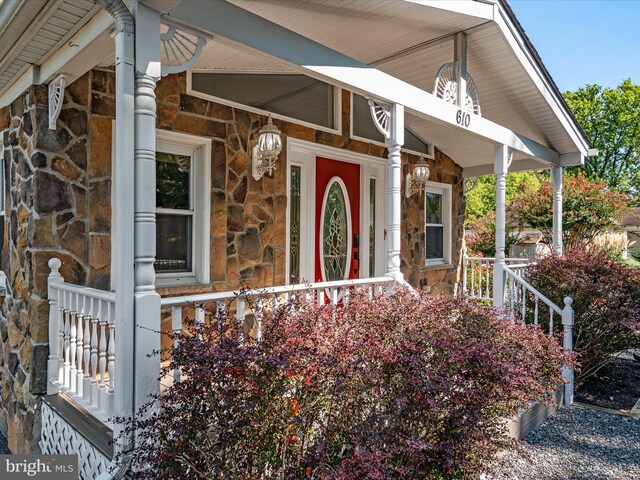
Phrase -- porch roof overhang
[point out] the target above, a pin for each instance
(372, 48)
(387, 49)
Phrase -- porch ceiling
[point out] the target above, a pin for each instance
(411, 41)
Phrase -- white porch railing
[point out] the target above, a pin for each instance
(477, 275)
(527, 305)
(272, 297)
(81, 344)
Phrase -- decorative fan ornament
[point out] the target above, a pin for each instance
(446, 88)
(380, 114)
(179, 49)
(56, 96)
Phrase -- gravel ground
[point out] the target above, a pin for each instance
(578, 443)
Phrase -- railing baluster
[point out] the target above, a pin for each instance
(258, 316)
(465, 269)
(95, 304)
(524, 305)
(176, 327)
(199, 319)
(79, 352)
(488, 294)
(111, 358)
(550, 321)
(473, 285)
(334, 296)
(86, 380)
(535, 313)
(67, 342)
(241, 315)
(73, 329)
(102, 360)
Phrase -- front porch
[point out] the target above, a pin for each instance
(148, 194)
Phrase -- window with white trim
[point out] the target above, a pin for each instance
(288, 96)
(183, 166)
(437, 213)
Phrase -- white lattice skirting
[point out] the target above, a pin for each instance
(59, 438)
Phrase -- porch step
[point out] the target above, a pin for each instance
(93, 430)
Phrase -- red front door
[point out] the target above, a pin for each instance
(337, 220)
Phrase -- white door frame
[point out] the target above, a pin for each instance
(303, 154)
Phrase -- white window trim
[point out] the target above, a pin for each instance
(303, 154)
(201, 174)
(200, 149)
(445, 190)
(430, 153)
(337, 101)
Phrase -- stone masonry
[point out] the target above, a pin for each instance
(58, 203)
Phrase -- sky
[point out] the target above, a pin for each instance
(584, 41)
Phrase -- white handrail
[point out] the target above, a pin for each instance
(477, 274)
(81, 344)
(262, 292)
(515, 278)
(517, 289)
(323, 292)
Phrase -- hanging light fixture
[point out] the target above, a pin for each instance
(265, 153)
(415, 182)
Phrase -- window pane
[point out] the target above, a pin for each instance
(173, 181)
(294, 226)
(433, 248)
(363, 125)
(173, 243)
(335, 234)
(433, 208)
(292, 95)
(372, 227)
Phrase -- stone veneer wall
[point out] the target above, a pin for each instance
(433, 279)
(58, 203)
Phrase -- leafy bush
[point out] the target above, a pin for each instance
(394, 387)
(588, 209)
(481, 239)
(606, 301)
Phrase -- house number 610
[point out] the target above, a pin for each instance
(463, 118)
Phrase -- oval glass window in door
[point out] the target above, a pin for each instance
(336, 232)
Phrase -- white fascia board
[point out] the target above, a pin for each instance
(74, 61)
(478, 9)
(519, 48)
(516, 166)
(247, 31)
(572, 159)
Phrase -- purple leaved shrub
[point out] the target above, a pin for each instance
(390, 387)
(606, 301)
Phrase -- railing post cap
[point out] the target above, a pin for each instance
(568, 301)
(54, 264)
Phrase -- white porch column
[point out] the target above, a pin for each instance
(147, 301)
(556, 177)
(395, 140)
(500, 167)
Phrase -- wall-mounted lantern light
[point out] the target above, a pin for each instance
(415, 182)
(265, 153)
